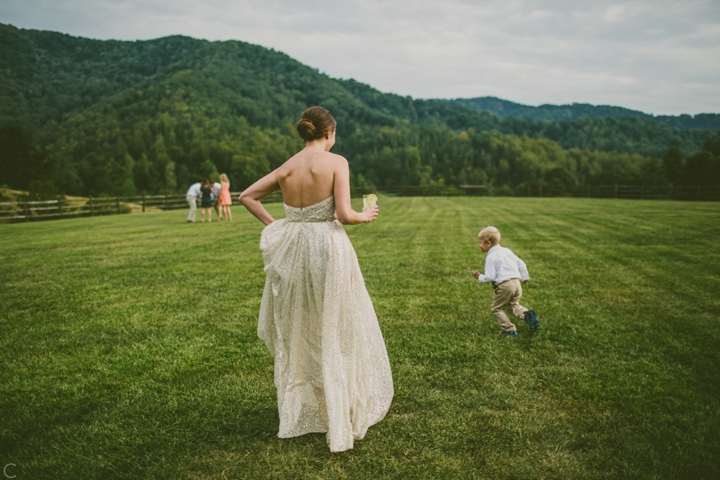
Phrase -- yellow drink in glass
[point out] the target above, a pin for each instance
(369, 200)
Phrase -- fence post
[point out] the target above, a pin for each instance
(143, 201)
(27, 211)
(92, 207)
(59, 200)
(616, 190)
(166, 201)
(118, 203)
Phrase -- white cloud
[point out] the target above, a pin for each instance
(657, 56)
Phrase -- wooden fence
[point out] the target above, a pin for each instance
(89, 207)
(95, 206)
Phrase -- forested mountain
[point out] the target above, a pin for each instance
(93, 117)
(563, 113)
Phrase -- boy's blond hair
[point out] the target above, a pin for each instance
(489, 234)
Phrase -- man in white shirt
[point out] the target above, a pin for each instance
(505, 270)
(192, 196)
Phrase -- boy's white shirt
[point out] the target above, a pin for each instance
(502, 264)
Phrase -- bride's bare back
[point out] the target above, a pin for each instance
(308, 177)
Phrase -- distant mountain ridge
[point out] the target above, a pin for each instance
(94, 117)
(564, 113)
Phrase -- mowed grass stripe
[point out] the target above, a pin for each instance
(129, 346)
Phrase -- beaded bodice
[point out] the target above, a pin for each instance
(319, 212)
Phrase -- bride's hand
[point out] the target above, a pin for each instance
(371, 213)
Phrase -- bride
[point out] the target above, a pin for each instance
(331, 367)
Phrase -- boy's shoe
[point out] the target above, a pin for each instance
(509, 334)
(532, 320)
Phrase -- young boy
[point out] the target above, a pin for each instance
(505, 270)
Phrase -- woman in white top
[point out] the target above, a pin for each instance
(332, 371)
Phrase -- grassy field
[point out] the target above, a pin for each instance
(129, 346)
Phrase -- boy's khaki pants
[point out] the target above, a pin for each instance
(507, 296)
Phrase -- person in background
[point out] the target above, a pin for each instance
(206, 201)
(216, 198)
(192, 198)
(225, 199)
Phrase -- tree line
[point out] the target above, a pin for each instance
(167, 154)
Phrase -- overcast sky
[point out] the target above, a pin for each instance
(658, 56)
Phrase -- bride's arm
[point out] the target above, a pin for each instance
(251, 196)
(345, 214)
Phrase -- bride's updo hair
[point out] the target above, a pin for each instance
(315, 123)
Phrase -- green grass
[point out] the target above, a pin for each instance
(129, 346)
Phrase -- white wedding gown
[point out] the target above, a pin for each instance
(332, 371)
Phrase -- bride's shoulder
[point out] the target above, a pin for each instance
(336, 159)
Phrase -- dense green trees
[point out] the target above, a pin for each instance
(24, 166)
(107, 117)
(703, 168)
(17, 156)
(432, 154)
(618, 135)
